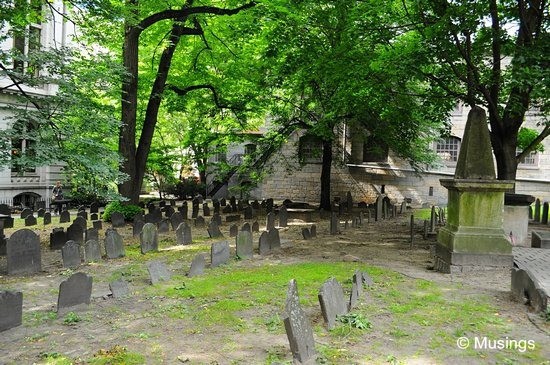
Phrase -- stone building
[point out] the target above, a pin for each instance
(18, 186)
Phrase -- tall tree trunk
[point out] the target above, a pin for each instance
(325, 175)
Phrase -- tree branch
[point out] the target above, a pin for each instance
(545, 133)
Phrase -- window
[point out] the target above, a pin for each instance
(531, 160)
(375, 150)
(448, 149)
(23, 149)
(310, 149)
(27, 41)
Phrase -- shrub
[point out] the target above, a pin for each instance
(128, 210)
(186, 188)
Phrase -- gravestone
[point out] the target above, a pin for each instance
(119, 288)
(227, 209)
(82, 222)
(199, 221)
(164, 226)
(537, 210)
(349, 202)
(25, 213)
(3, 244)
(11, 309)
(233, 218)
(195, 211)
(158, 272)
(149, 239)
(283, 217)
(270, 221)
(5, 209)
(223, 202)
(356, 289)
(183, 210)
(306, 234)
(379, 207)
(23, 253)
(246, 227)
(244, 245)
(248, 213)
(206, 210)
(70, 253)
(176, 219)
(273, 239)
(94, 217)
(233, 203)
(298, 329)
(255, 205)
(168, 211)
(30, 220)
(403, 208)
(233, 230)
(47, 218)
(217, 218)
(94, 207)
(75, 233)
(255, 226)
(58, 238)
(74, 293)
(219, 253)
(137, 226)
(544, 218)
(313, 231)
(197, 266)
(264, 246)
(40, 212)
(334, 224)
(114, 246)
(269, 205)
(214, 230)
(183, 234)
(64, 216)
(83, 214)
(92, 251)
(117, 220)
(216, 205)
(333, 304)
(97, 225)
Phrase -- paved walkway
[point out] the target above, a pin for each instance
(536, 263)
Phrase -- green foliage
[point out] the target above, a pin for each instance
(71, 319)
(546, 314)
(355, 320)
(54, 358)
(186, 188)
(128, 210)
(117, 355)
(526, 136)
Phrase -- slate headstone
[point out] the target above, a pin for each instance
(544, 218)
(356, 288)
(379, 207)
(214, 230)
(164, 226)
(97, 225)
(5, 209)
(199, 221)
(75, 233)
(83, 214)
(306, 234)
(197, 266)
(233, 218)
(264, 247)
(176, 219)
(246, 227)
(219, 253)
(283, 217)
(183, 234)
(233, 230)
(255, 226)
(333, 304)
(11, 309)
(40, 212)
(273, 238)
(270, 221)
(114, 246)
(64, 216)
(137, 226)
(218, 218)
(298, 329)
(248, 213)
(58, 238)
(158, 272)
(149, 240)
(23, 253)
(334, 224)
(183, 210)
(92, 251)
(244, 245)
(47, 218)
(25, 213)
(349, 202)
(70, 253)
(117, 219)
(206, 210)
(74, 292)
(119, 288)
(30, 220)
(81, 221)
(94, 217)
(94, 207)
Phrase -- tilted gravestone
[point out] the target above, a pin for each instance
(197, 266)
(244, 245)
(164, 226)
(117, 219)
(75, 233)
(58, 238)
(158, 272)
(273, 239)
(214, 230)
(23, 253)
(119, 288)
(217, 218)
(47, 218)
(367, 280)
(199, 221)
(30, 220)
(306, 234)
(264, 243)
(175, 220)
(114, 247)
(283, 217)
(70, 253)
(137, 226)
(334, 224)
(74, 293)
(25, 213)
(233, 230)
(183, 234)
(11, 309)
(333, 304)
(149, 238)
(64, 216)
(256, 227)
(91, 234)
(298, 329)
(219, 253)
(356, 288)
(270, 221)
(92, 251)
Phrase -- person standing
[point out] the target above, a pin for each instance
(57, 194)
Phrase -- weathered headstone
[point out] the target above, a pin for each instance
(117, 219)
(544, 218)
(40, 212)
(199, 221)
(270, 221)
(176, 219)
(164, 226)
(92, 251)
(47, 218)
(137, 226)
(334, 224)
(119, 288)
(30, 220)
(81, 221)
(223, 202)
(264, 247)
(233, 230)
(219, 254)
(25, 213)
(214, 230)
(83, 214)
(11, 309)
(195, 211)
(75, 233)
(218, 218)
(5, 209)
(227, 209)
(114, 246)
(64, 216)
(537, 210)
(216, 205)
(158, 272)
(255, 226)
(74, 293)
(3, 244)
(244, 245)
(233, 218)
(168, 211)
(273, 238)
(298, 329)
(269, 205)
(283, 217)
(70, 253)
(379, 207)
(183, 210)
(248, 212)
(183, 234)
(58, 238)
(367, 280)
(349, 202)
(306, 234)
(246, 227)
(97, 224)
(333, 304)
(94, 217)
(94, 207)
(206, 210)
(149, 240)
(313, 231)
(197, 266)
(356, 288)
(23, 253)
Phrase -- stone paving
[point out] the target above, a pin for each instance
(535, 262)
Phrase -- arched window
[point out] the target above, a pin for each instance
(448, 148)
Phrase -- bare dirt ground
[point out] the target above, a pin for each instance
(137, 322)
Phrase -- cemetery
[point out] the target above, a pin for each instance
(347, 288)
